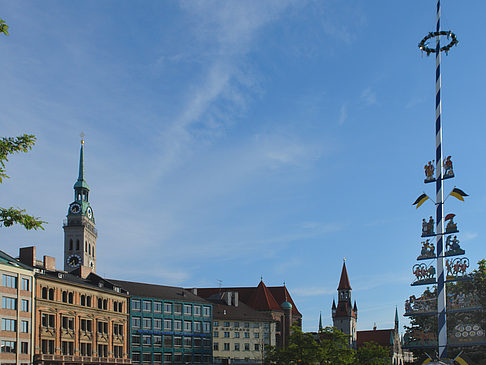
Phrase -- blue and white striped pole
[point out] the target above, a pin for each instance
(441, 289)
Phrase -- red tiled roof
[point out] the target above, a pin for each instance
(272, 297)
(344, 282)
(281, 294)
(381, 337)
(263, 300)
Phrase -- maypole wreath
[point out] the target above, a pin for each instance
(445, 49)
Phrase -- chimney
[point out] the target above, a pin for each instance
(194, 291)
(27, 255)
(84, 271)
(49, 263)
(227, 297)
(235, 299)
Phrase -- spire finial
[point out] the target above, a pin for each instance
(344, 259)
(261, 277)
(81, 182)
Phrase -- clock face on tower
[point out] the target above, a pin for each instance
(75, 208)
(74, 261)
(89, 212)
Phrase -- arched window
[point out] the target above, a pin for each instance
(83, 300)
(44, 293)
(86, 246)
(100, 303)
(71, 298)
(51, 294)
(89, 249)
(70, 244)
(64, 297)
(105, 304)
(77, 244)
(88, 300)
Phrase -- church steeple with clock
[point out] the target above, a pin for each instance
(79, 227)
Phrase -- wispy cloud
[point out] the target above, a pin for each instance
(469, 236)
(368, 96)
(312, 291)
(226, 84)
(368, 282)
(343, 115)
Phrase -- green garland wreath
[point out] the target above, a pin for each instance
(446, 48)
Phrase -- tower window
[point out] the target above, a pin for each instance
(70, 244)
(86, 246)
(77, 244)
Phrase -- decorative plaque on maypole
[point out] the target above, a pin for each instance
(441, 261)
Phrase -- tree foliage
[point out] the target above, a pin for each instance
(334, 345)
(3, 27)
(327, 347)
(372, 353)
(11, 216)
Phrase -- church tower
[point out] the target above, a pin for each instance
(79, 228)
(344, 316)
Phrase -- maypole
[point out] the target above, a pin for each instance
(441, 288)
(459, 302)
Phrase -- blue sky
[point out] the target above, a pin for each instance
(229, 140)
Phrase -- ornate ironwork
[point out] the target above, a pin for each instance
(453, 41)
(427, 251)
(429, 172)
(451, 226)
(426, 304)
(424, 274)
(452, 246)
(448, 170)
(462, 302)
(456, 267)
(467, 332)
(421, 338)
(428, 227)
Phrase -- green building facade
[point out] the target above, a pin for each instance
(168, 325)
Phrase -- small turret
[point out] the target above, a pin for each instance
(397, 325)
